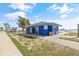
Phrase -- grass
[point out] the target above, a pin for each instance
(31, 37)
(71, 34)
(39, 47)
(71, 39)
(22, 49)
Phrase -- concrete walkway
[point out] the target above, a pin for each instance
(7, 47)
(71, 44)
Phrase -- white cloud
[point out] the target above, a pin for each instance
(69, 23)
(39, 1)
(65, 9)
(53, 7)
(63, 16)
(62, 10)
(30, 11)
(14, 16)
(36, 20)
(50, 20)
(36, 16)
(66, 23)
(22, 6)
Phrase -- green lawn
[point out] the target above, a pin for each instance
(22, 49)
(40, 47)
(71, 39)
(71, 34)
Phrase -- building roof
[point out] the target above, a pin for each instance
(43, 23)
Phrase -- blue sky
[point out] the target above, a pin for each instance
(66, 14)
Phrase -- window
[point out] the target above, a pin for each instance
(45, 27)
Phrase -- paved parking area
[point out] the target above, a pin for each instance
(7, 47)
(70, 44)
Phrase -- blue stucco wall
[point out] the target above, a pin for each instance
(50, 28)
(43, 31)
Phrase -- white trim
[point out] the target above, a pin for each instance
(30, 30)
(53, 29)
(45, 27)
(37, 29)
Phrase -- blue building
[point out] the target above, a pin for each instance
(43, 28)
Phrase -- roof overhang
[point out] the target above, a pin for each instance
(42, 23)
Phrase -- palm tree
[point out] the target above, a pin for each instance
(22, 22)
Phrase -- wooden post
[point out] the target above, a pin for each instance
(78, 31)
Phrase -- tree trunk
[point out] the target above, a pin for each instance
(23, 29)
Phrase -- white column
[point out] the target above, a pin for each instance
(37, 29)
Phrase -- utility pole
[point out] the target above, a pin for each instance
(78, 31)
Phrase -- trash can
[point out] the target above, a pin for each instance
(50, 33)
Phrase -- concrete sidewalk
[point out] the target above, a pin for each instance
(70, 44)
(7, 47)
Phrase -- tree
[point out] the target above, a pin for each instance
(1, 28)
(22, 22)
(28, 23)
(14, 29)
(7, 26)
